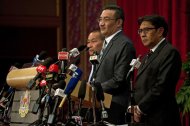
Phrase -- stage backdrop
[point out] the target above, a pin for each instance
(177, 14)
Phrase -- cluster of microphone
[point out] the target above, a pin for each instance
(54, 77)
(51, 78)
(51, 82)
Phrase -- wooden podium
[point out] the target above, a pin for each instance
(19, 79)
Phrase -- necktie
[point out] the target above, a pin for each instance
(148, 55)
(103, 49)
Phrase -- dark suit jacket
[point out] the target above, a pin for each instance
(113, 67)
(155, 86)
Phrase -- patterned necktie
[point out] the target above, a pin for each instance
(103, 49)
(148, 55)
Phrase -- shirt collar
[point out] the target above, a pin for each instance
(108, 39)
(156, 46)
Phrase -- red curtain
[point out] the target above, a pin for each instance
(176, 13)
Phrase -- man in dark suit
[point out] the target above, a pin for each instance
(116, 55)
(157, 76)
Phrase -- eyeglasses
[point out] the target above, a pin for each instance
(145, 30)
(106, 19)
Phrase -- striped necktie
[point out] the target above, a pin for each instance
(103, 49)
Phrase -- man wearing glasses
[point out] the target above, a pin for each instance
(157, 76)
(116, 55)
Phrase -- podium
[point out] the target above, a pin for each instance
(19, 79)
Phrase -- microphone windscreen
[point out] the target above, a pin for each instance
(73, 81)
(61, 84)
(64, 50)
(81, 48)
(82, 89)
(47, 62)
(71, 85)
(54, 68)
(76, 61)
(42, 55)
(99, 91)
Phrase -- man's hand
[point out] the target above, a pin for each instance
(137, 114)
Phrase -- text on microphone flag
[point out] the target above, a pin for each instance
(73, 67)
(63, 55)
(41, 69)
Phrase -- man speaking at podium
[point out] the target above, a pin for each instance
(115, 57)
(94, 44)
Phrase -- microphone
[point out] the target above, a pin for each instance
(94, 59)
(41, 69)
(42, 56)
(81, 94)
(135, 63)
(53, 73)
(36, 106)
(73, 67)
(71, 85)
(82, 90)
(58, 93)
(63, 56)
(100, 98)
(39, 58)
(51, 78)
(60, 85)
(81, 47)
(76, 51)
(99, 91)
(76, 61)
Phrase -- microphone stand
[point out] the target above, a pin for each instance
(70, 113)
(38, 108)
(94, 101)
(100, 98)
(47, 107)
(70, 120)
(94, 61)
(131, 103)
(135, 63)
(94, 95)
(48, 99)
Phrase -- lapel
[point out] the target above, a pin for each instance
(110, 44)
(151, 58)
(104, 54)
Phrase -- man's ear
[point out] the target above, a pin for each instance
(160, 31)
(119, 22)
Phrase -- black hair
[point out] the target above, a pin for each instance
(119, 13)
(157, 21)
(102, 37)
